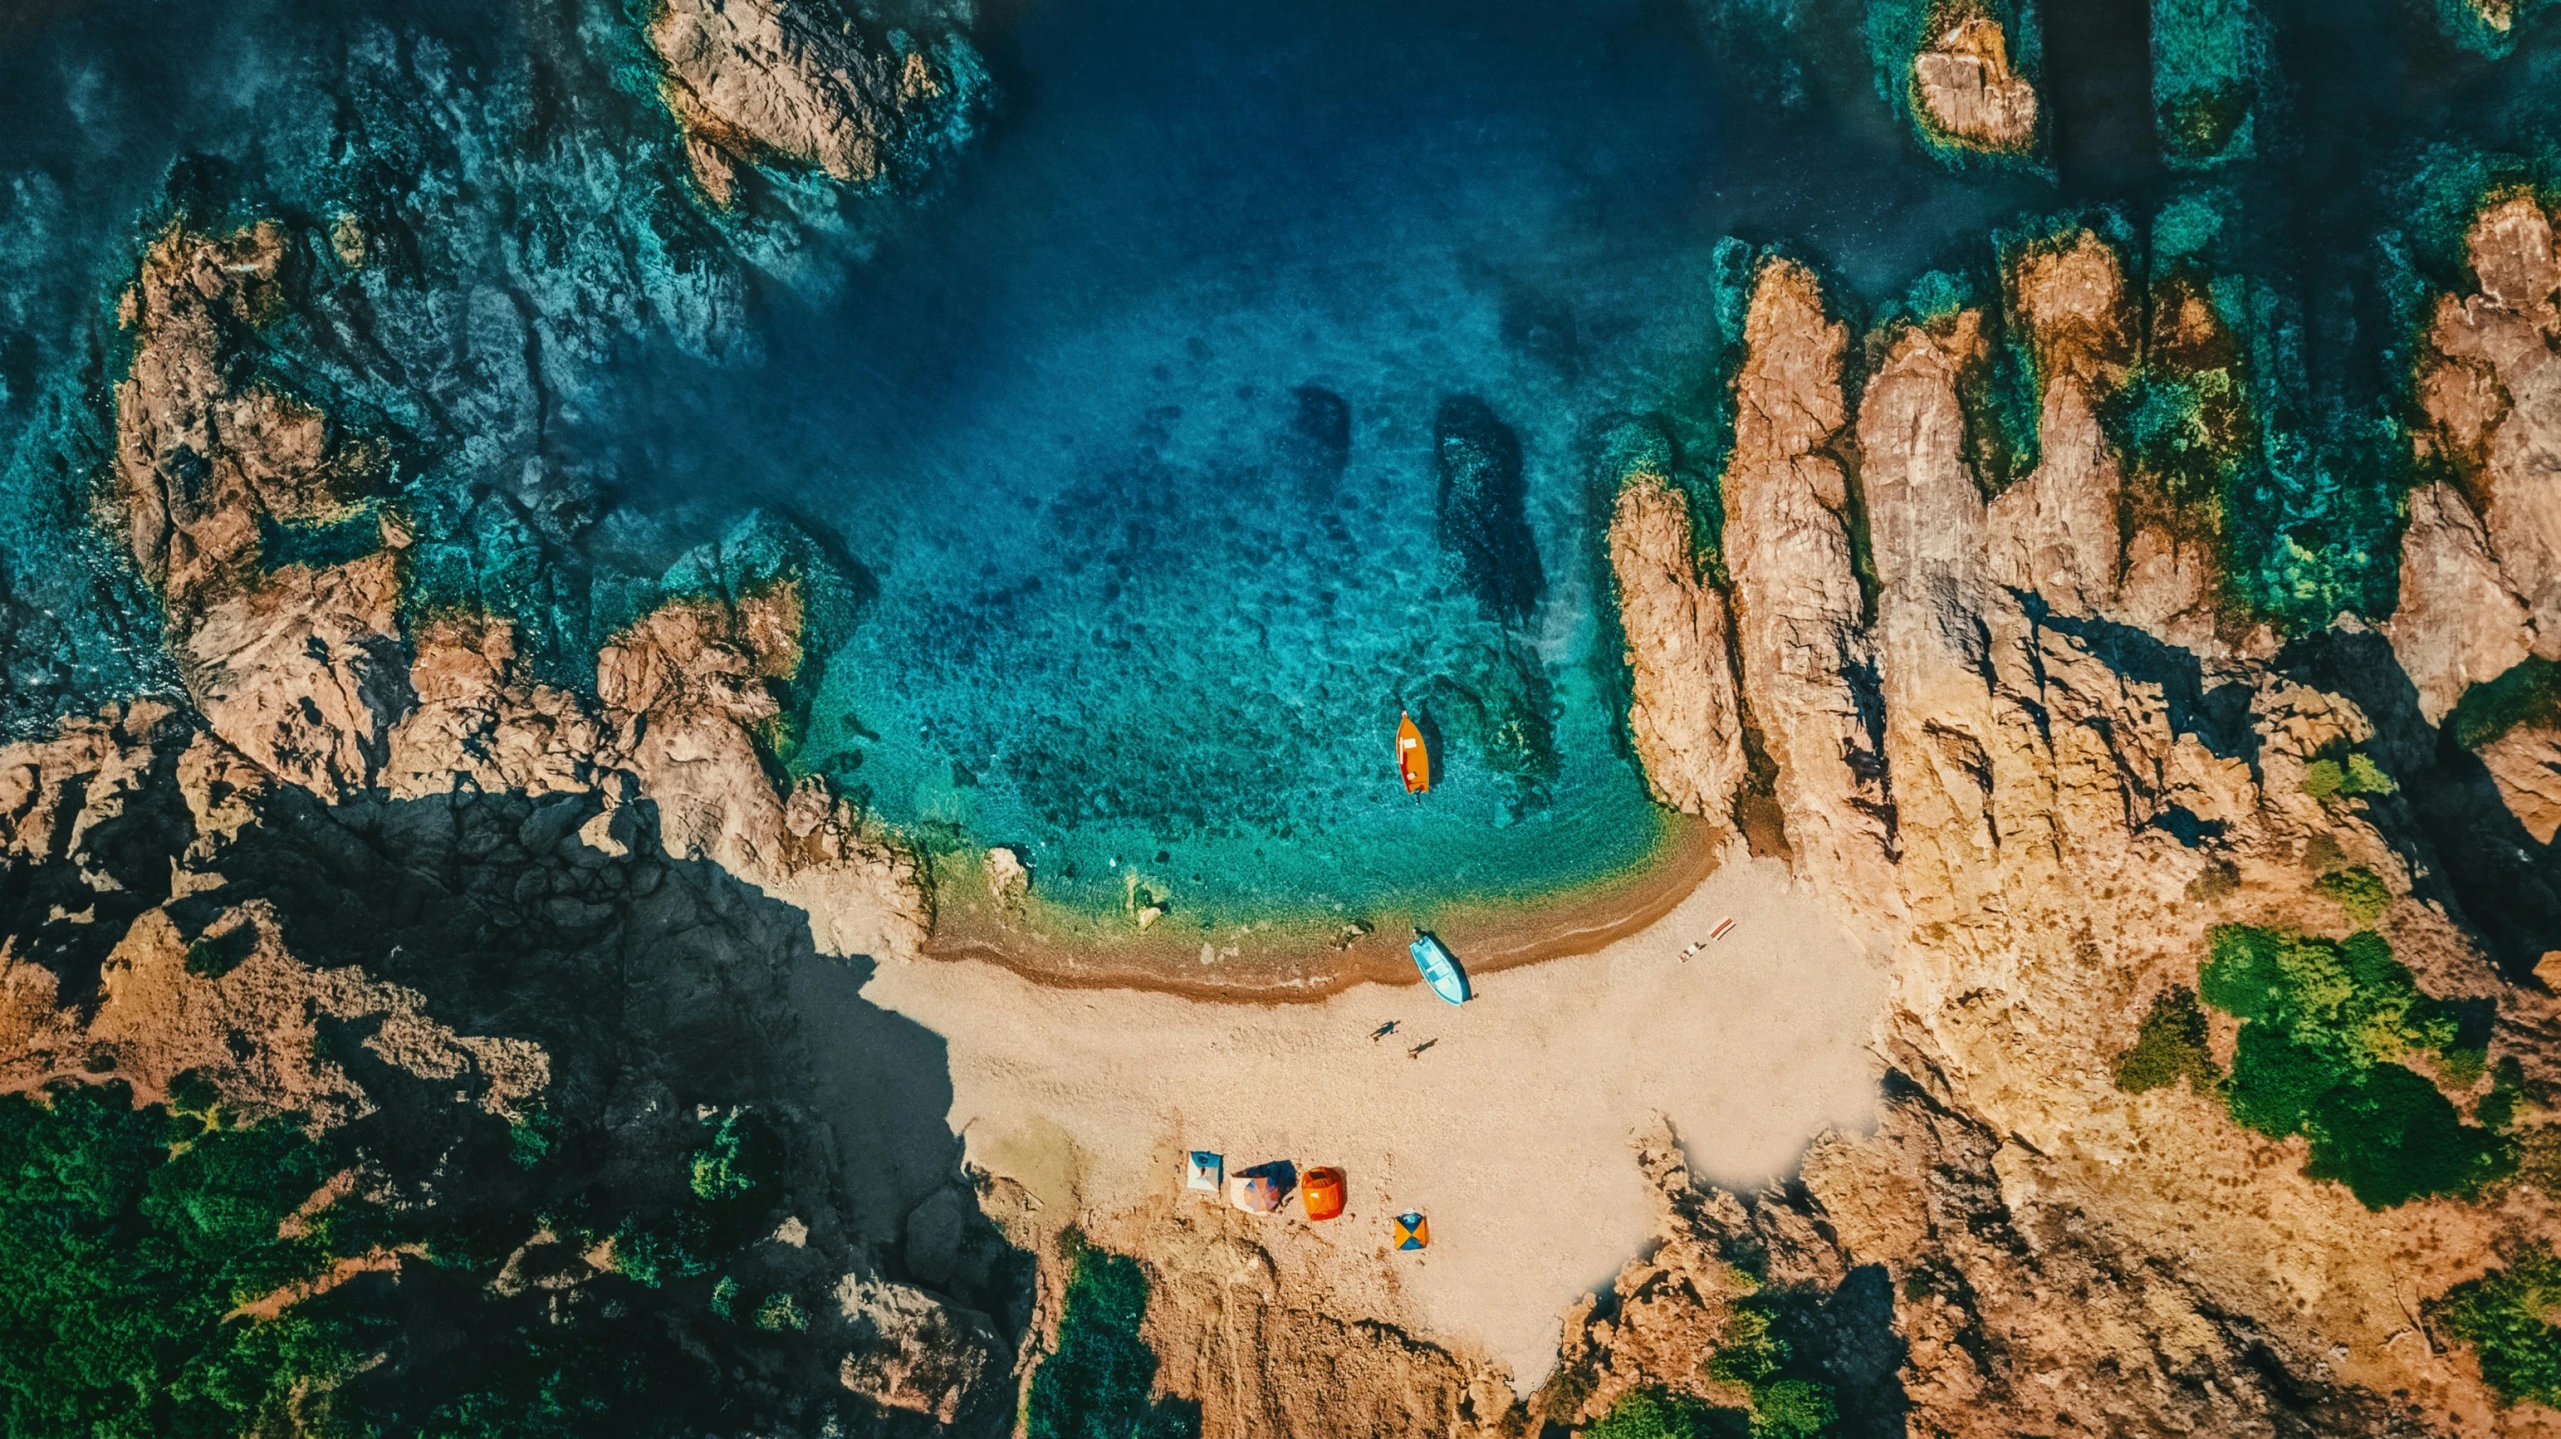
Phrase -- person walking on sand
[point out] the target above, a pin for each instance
(1382, 1031)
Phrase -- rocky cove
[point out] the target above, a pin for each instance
(457, 982)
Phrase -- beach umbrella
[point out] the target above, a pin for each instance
(1204, 1171)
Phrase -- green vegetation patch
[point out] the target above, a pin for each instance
(129, 1239)
(2507, 1316)
(1752, 1354)
(2353, 775)
(1096, 1384)
(2528, 694)
(2359, 891)
(2170, 1046)
(2322, 1022)
(1661, 1414)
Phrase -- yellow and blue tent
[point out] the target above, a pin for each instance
(1413, 1231)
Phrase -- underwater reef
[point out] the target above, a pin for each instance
(543, 544)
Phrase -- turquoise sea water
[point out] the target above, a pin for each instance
(1137, 434)
(1128, 405)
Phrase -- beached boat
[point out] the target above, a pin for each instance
(1440, 968)
(1412, 760)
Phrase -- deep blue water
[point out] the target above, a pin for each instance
(1124, 611)
(1121, 410)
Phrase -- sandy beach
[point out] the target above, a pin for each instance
(1507, 1121)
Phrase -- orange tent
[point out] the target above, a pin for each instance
(1321, 1190)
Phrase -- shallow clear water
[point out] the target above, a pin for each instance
(1128, 419)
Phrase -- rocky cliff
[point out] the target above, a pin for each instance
(2068, 776)
(375, 882)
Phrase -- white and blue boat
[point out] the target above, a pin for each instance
(1440, 968)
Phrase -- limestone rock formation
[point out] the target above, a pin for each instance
(2458, 624)
(685, 692)
(2493, 401)
(1926, 528)
(2057, 532)
(2525, 763)
(912, 1351)
(752, 79)
(481, 722)
(1800, 619)
(2082, 782)
(295, 664)
(1685, 714)
(298, 668)
(1965, 92)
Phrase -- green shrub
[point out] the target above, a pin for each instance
(2498, 1108)
(2348, 1000)
(1095, 1384)
(1660, 1414)
(1792, 1409)
(2170, 1046)
(126, 1237)
(1747, 1353)
(2359, 891)
(1750, 1354)
(2505, 1315)
(2321, 1022)
(2350, 777)
(2275, 1081)
(2391, 1137)
(2463, 1066)
(741, 1158)
(2528, 694)
(780, 1312)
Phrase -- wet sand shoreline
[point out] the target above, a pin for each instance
(1308, 961)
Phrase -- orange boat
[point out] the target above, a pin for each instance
(1412, 760)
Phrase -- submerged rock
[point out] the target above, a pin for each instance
(1481, 506)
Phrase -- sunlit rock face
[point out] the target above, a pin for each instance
(294, 663)
(1683, 710)
(1964, 89)
(1808, 668)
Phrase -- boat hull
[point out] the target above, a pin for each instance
(1440, 969)
(1413, 761)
